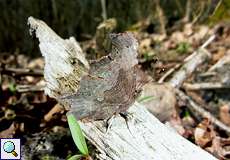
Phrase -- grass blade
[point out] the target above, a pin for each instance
(77, 134)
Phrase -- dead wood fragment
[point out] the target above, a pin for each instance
(29, 88)
(159, 99)
(147, 139)
(102, 40)
(65, 63)
(21, 71)
(55, 110)
(205, 85)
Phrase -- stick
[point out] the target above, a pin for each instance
(205, 85)
(30, 88)
(21, 71)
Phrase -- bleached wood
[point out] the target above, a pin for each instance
(62, 70)
(221, 62)
(143, 138)
(205, 85)
(178, 78)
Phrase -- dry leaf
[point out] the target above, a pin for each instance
(37, 63)
(145, 45)
(203, 133)
(9, 133)
(188, 29)
(161, 101)
(176, 124)
(224, 114)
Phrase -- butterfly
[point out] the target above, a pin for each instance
(111, 84)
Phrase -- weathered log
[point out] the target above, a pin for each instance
(142, 137)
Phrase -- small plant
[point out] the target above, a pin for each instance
(183, 47)
(78, 137)
(12, 88)
(148, 56)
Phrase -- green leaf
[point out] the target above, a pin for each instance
(75, 157)
(183, 47)
(145, 98)
(77, 134)
(12, 88)
(187, 114)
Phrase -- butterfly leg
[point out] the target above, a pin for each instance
(109, 122)
(127, 116)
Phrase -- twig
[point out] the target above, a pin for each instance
(56, 109)
(205, 85)
(21, 71)
(30, 88)
(220, 63)
(168, 73)
(187, 11)
(190, 64)
(161, 17)
(104, 13)
(206, 43)
(198, 109)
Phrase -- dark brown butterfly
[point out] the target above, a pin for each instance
(111, 84)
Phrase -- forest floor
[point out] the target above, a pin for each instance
(26, 112)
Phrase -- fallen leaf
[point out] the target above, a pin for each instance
(225, 114)
(176, 124)
(161, 101)
(204, 133)
(9, 132)
(188, 29)
(37, 63)
(145, 45)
